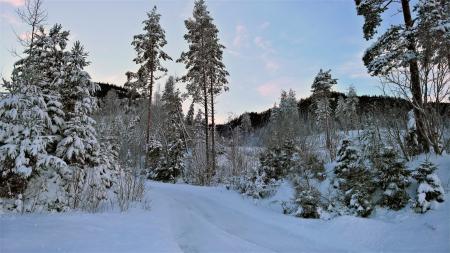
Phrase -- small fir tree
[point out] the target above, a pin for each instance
(429, 189)
(354, 180)
(393, 177)
(307, 198)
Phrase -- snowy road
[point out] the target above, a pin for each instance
(187, 218)
(208, 221)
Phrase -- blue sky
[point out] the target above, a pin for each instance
(270, 45)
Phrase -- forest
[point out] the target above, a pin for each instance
(74, 146)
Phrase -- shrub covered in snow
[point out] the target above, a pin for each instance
(277, 160)
(307, 197)
(430, 189)
(255, 183)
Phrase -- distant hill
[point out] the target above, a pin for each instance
(377, 105)
(122, 92)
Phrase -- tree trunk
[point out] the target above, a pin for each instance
(416, 90)
(213, 130)
(149, 115)
(205, 104)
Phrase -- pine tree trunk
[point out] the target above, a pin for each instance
(149, 115)
(213, 137)
(416, 90)
(205, 104)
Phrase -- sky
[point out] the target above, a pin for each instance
(270, 44)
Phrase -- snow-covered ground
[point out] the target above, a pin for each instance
(186, 218)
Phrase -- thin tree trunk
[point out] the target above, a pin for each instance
(415, 82)
(213, 130)
(149, 115)
(205, 104)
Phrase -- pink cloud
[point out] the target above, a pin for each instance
(269, 88)
(273, 87)
(10, 19)
(15, 3)
(25, 36)
(241, 36)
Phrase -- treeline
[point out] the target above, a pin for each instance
(367, 105)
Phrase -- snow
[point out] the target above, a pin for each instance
(186, 218)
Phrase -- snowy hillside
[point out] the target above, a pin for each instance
(184, 218)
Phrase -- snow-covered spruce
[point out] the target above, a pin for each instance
(284, 119)
(351, 106)
(32, 127)
(321, 88)
(393, 178)
(79, 146)
(307, 197)
(49, 149)
(277, 161)
(24, 138)
(168, 147)
(354, 180)
(370, 141)
(429, 188)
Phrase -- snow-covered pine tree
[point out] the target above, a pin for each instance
(399, 47)
(47, 55)
(206, 73)
(354, 180)
(351, 107)
(217, 81)
(189, 120)
(195, 163)
(288, 113)
(307, 198)
(24, 135)
(370, 141)
(172, 147)
(189, 124)
(149, 48)
(393, 177)
(284, 119)
(323, 114)
(429, 187)
(321, 89)
(79, 147)
(272, 136)
(277, 161)
(323, 82)
(433, 34)
(36, 81)
(340, 112)
(411, 142)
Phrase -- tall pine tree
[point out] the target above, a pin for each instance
(321, 88)
(206, 73)
(399, 49)
(150, 55)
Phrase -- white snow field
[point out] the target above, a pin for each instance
(186, 218)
